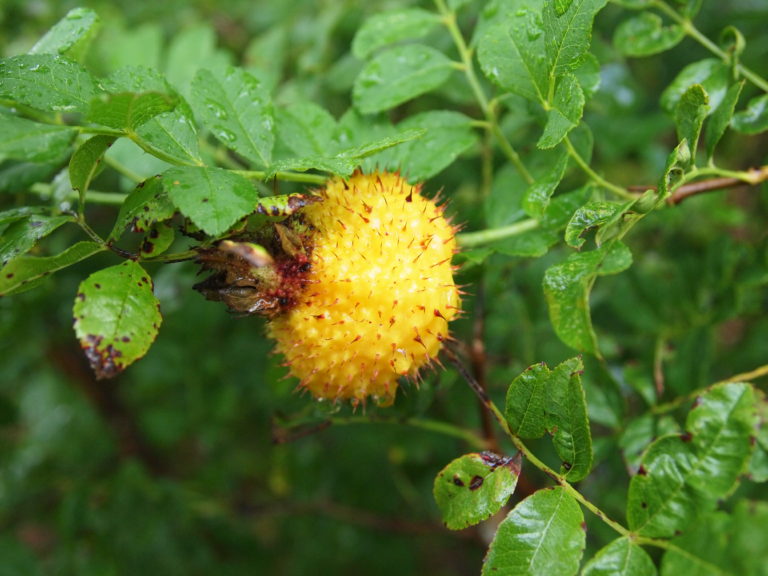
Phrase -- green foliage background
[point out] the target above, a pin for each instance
(173, 467)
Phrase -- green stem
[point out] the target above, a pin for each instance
(509, 150)
(90, 231)
(92, 196)
(594, 176)
(123, 169)
(696, 34)
(474, 239)
(467, 66)
(171, 258)
(751, 177)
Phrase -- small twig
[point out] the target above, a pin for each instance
(286, 435)
(752, 177)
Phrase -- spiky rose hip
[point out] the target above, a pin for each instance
(379, 293)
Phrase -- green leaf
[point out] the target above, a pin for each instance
(20, 233)
(621, 558)
(390, 27)
(588, 74)
(173, 134)
(398, 75)
(690, 113)
(345, 161)
(447, 135)
(213, 198)
(129, 110)
(341, 166)
(541, 401)
(157, 240)
(645, 34)
(86, 161)
(474, 487)
(684, 475)
(31, 141)
(116, 317)
(700, 551)
(747, 551)
(568, 33)
(592, 215)
(565, 112)
(758, 467)
(21, 272)
(528, 401)
(754, 119)
(542, 536)
(722, 543)
(46, 82)
(713, 75)
(567, 287)
(145, 206)
(305, 128)
(721, 118)
(538, 194)
(677, 163)
(238, 111)
(71, 35)
(511, 49)
(170, 133)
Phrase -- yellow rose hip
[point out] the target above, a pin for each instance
(379, 292)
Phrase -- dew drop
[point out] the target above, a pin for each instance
(227, 135)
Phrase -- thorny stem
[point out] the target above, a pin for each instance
(560, 479)
(694, 33)
(467, 66)
(727, 179)
(594, 176)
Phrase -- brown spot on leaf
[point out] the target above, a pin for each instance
(458, 481)
(642, 471)
(687, 437)
(103, 359)
(476, 482)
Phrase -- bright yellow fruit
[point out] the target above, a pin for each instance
(379, 294)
